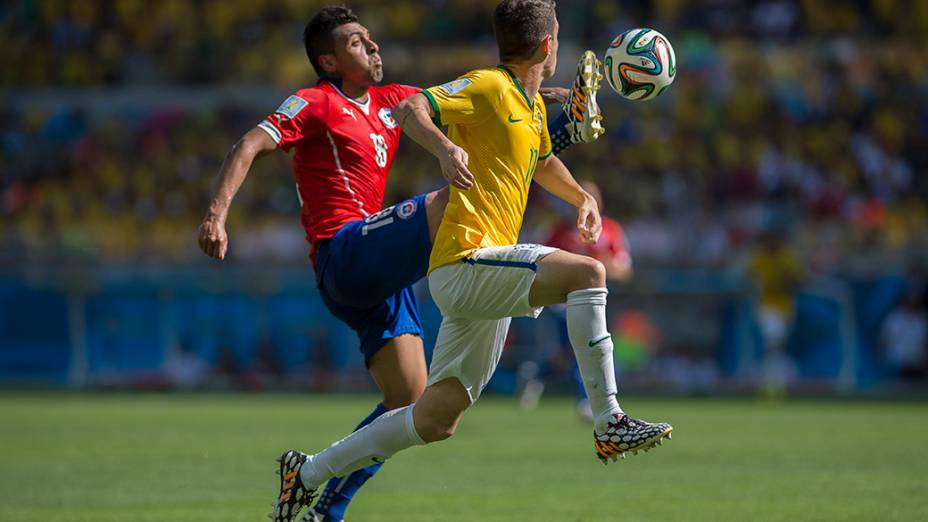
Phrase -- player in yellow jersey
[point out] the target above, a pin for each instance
(479, 276)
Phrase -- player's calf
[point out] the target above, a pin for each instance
(439, 412)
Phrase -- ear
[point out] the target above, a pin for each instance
(328, 63)
(546, 45)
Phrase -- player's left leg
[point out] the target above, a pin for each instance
(399, 370)
(581, 282)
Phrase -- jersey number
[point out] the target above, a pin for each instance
(532, 163)
(380, 147)
(377, 220)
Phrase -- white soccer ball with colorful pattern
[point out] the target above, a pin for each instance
(640, 64)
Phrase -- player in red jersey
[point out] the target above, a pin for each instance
(611, 249)
(365, 258)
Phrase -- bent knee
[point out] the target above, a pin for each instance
(590, 274)
(436, 430)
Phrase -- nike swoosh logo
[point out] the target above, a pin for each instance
(512, 120)
(601, 339)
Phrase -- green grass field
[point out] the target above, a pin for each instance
(178, 458)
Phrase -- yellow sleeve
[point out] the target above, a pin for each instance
(465, 101)
(544, 149)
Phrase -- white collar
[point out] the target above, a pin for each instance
(363, 106)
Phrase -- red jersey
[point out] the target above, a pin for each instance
(611, 245)
(344, 149)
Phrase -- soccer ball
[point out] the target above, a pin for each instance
(640, 64)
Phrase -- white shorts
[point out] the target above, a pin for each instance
(477, 297)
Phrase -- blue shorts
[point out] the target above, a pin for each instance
(366, 271)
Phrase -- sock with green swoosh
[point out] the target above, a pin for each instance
(586, 327)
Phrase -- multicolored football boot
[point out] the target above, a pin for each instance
(293, 495)
(583, 114)
(624, 434)
(312, 516)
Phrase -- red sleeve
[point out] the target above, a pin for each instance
(618, 244)
(301, 115)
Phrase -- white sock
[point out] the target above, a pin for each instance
(586, 327)
(391, 432)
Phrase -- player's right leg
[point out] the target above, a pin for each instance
(466, 354)
(580, 120)
(580, 281)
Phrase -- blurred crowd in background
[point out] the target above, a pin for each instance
(793, 145)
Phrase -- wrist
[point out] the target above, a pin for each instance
(586, 200)
(217, 212)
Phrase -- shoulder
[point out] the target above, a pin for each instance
(303, 103)
(489, 76)
(394, 92)
(612, 225)
(478, 80)
(315, 95)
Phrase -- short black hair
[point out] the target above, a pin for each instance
(521, 25)
(317, 37)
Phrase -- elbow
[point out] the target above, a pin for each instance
(250, 146)
(402, 110)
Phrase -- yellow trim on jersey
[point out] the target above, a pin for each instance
(505, 135)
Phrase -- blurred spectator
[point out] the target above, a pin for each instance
(904, 338)
(611, 249)
(776, 271)
(184, 369)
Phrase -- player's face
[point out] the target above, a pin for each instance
(357, 56)
(551, 61)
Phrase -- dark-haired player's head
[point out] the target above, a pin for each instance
(338, 45)
(526, 31)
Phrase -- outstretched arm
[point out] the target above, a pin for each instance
(212, 234)
(414, 114)
(554, 177)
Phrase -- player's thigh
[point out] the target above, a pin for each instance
(489, 284)
(562, 272)
(468, 351)
(371, 259)
(399, 370)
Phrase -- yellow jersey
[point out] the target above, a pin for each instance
(505, 134)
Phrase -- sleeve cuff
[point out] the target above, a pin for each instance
(272, 131)
(546, 156)
(434, 104)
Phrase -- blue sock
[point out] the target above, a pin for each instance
(339, 491)
(560, 138)
(578, 381)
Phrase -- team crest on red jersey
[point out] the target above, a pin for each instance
(386, 116)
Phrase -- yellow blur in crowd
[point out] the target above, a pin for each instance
(820, 121)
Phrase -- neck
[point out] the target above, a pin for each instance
(349, 89)
(357, 92)
(529, 75)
